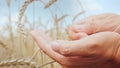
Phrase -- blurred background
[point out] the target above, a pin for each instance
(19, 17)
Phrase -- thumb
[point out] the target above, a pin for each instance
(72, 48)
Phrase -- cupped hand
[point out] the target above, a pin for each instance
(94, 51)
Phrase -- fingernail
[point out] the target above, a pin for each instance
(55, 46)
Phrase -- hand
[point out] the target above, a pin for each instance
(97, 50)
(94, 51)
(94, 24)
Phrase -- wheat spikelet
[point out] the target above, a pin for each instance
(8, 2)
(58, 34)
(50, 3)
(3, 45)
(24, 6)
(22, 62)
(22, 10)
(76, 16)
(56, 27)
(57, 20)
(62, 17)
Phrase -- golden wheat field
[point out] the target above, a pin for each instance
(17, 47)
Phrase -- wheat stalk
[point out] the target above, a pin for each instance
(47, 63)
(82, 7)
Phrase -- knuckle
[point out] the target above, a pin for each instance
(75, 37)
(93, 48)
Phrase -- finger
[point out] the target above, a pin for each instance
(87, 46)
(87, 28)
(77, 36)
(76, 32)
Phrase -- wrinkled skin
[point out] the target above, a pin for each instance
(93, 44)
